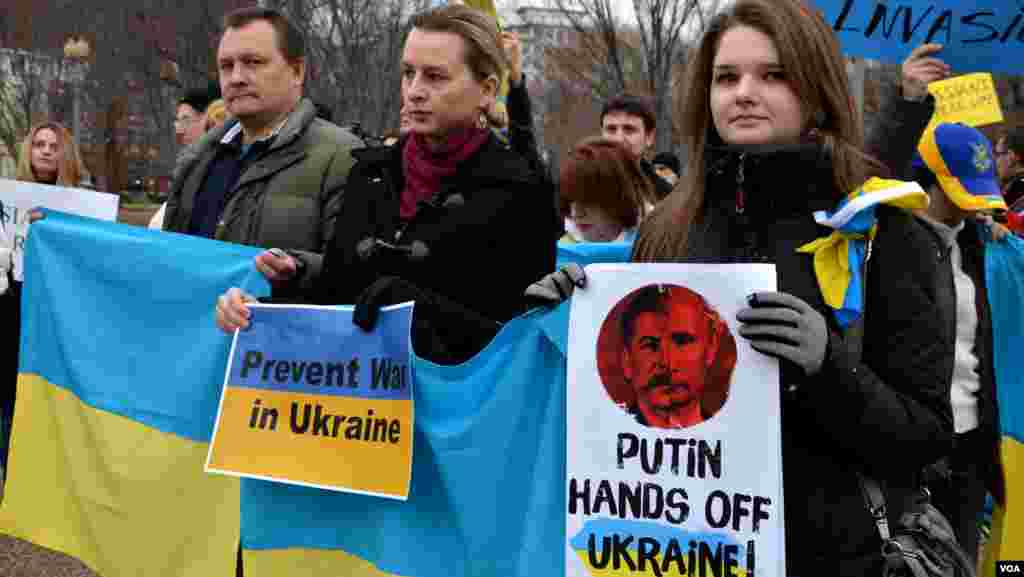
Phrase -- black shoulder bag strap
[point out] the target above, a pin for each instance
(853, 337)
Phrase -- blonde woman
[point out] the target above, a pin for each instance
(48, 156)
(216, 114)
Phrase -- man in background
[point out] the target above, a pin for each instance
(629, 120)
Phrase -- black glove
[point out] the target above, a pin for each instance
(384, 291)
(784, 326)
(557, 286)
(391, 290)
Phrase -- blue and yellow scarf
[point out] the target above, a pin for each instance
(839, 258)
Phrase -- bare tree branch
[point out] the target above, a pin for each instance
(611, 56)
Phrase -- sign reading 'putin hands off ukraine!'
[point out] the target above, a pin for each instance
(311, 399)
(673, 455)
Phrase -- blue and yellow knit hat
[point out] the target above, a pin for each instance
(961, 159)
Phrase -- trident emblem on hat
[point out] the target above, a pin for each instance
(982, 160)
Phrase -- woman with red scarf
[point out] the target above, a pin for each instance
(449, 216)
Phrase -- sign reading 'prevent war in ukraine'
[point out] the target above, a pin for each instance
(311, 399)
(673, 456)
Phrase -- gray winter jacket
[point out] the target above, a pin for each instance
(288, 196)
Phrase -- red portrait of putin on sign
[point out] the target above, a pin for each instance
(666, 356)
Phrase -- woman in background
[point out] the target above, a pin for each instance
(601, 189)
(48, 155)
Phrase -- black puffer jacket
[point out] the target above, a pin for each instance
(483, 233)
(886, 413)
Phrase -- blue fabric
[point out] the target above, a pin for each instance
(134, 333)
(853, 302)
(487, 482)
(584, 253)
(1004, 270)
(488, 465)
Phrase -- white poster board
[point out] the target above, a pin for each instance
(17, 198)
(674, 458)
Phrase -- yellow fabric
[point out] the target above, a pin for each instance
(831, 253)
(832, 266)
(910, 200)
(1007, 539)
(126, 499)
(311, 562)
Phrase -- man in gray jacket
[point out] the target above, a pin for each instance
(272, 177)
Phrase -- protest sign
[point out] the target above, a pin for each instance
(311, 399)
(970, 99)
(976, 36)
(17, 198)
(673, 461)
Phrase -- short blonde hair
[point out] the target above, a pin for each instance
(479, 30)
(216, 113)
(69, 167)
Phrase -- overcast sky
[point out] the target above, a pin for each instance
(624, 7)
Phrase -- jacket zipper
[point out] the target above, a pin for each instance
(747, 236)
(741, 195)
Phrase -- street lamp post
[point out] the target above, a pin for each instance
(76, 52)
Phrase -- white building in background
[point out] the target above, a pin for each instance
(539, 28)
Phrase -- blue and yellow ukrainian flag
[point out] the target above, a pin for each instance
(1004, 264)
(121, 370)
(486, 494)
(488, 477)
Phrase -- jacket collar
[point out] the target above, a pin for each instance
(488, 165)
(777, 182)
(290, 129)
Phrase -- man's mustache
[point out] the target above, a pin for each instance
(663, 381)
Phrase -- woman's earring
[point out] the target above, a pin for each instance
(482, 120)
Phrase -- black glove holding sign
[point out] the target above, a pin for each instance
(785, 327)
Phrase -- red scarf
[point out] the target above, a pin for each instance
(424, 168)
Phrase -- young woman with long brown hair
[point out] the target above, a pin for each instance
(773, 137)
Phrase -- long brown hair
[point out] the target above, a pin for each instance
(809, 54)
(69, 168)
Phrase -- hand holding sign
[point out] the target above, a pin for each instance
(781, 325)
(232, 314)
(920, 69)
